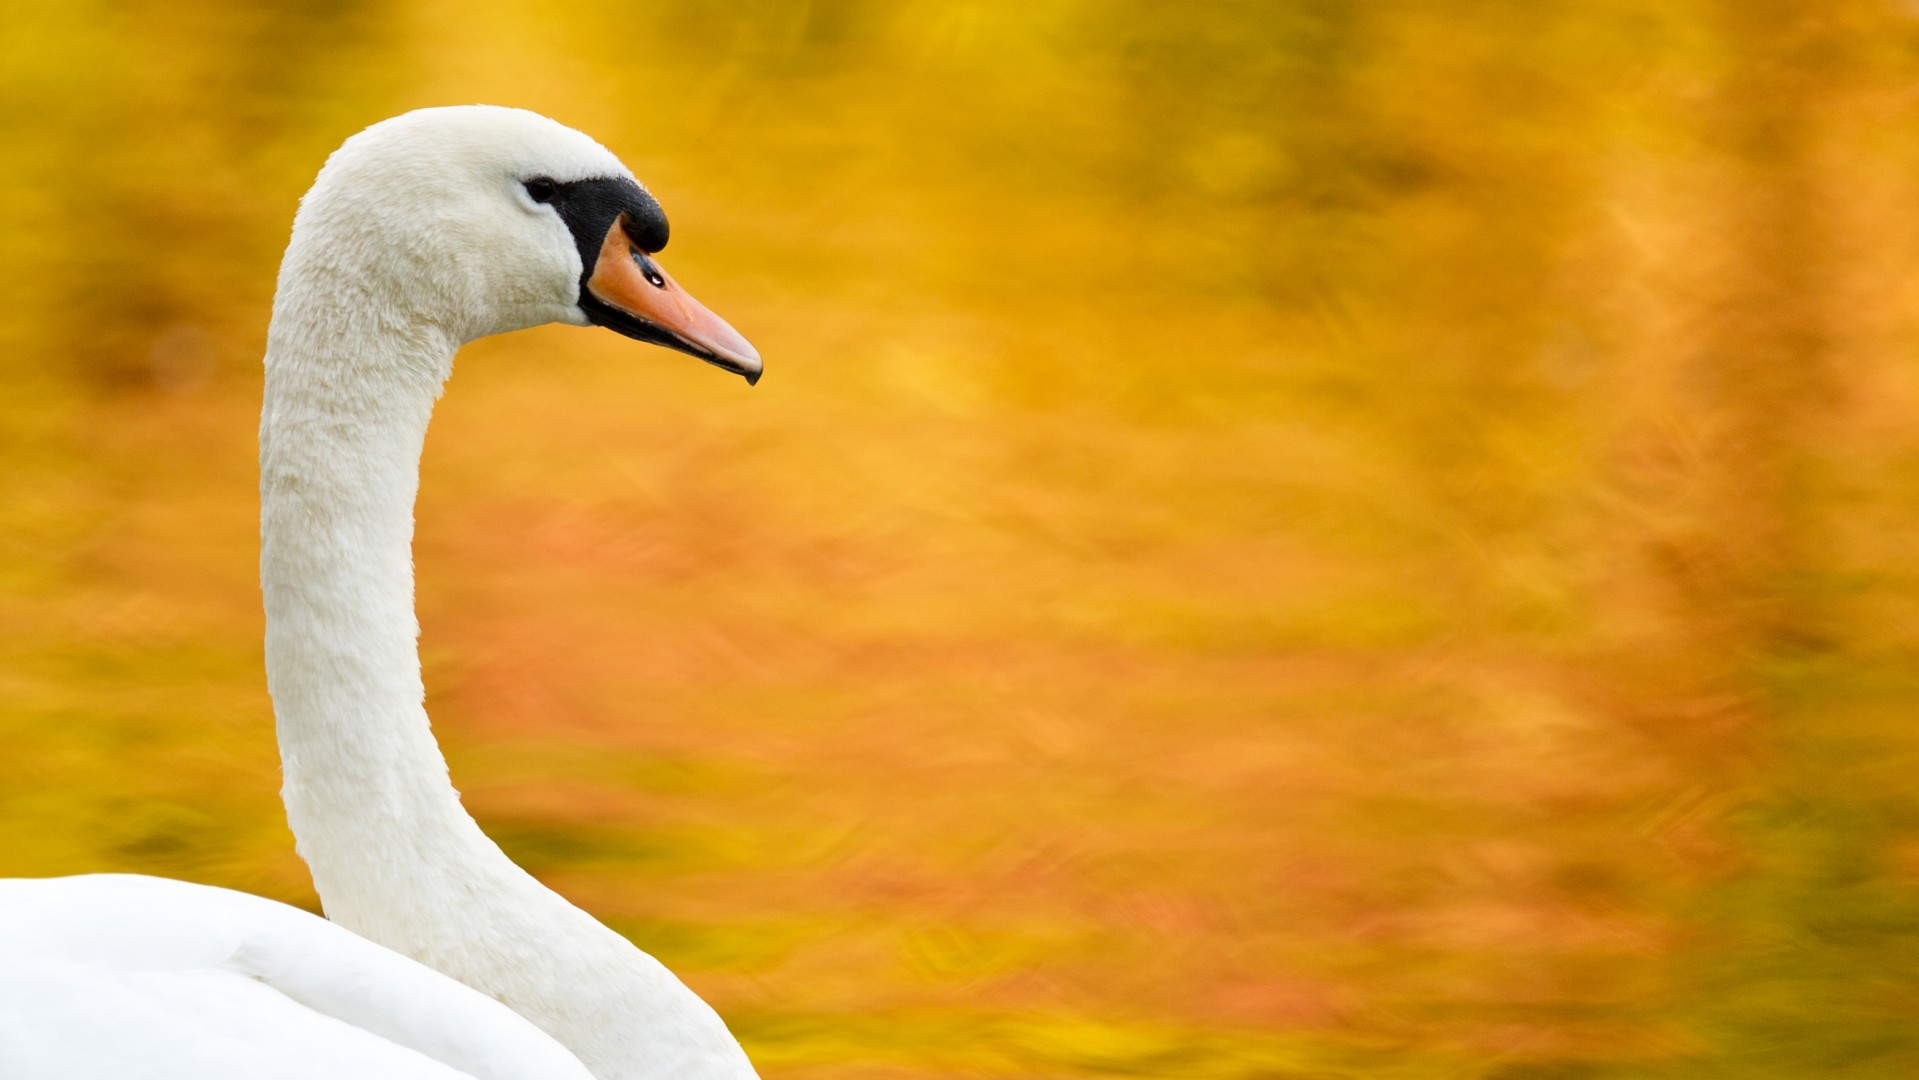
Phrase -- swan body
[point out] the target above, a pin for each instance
(123, 976)
(420, 234)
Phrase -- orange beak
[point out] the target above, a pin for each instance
(627, 279)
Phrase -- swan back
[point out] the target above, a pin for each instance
(123, 975)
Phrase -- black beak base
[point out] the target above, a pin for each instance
(592, 207)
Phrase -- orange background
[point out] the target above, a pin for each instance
(1303, 538)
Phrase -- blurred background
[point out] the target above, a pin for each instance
(1288, 538)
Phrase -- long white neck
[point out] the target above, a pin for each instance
(340, 438)
(350, 387)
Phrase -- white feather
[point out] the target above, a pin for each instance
(123, 976)
(416, 238)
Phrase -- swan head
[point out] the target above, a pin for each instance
(479, 220)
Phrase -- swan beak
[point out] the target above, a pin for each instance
(630, 293)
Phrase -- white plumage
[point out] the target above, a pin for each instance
(418, 236)
(121, 976)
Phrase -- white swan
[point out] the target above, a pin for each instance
(421, 233)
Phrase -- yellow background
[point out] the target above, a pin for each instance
(1278, 539)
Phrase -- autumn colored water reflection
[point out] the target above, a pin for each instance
(1278, 539)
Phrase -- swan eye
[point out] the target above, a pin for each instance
(542, 189)
(653, 275)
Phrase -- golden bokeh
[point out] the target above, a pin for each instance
(1300, 538)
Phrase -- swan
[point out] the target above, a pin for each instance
(442, 957)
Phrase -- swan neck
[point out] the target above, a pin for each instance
(351, 381)
(345, 418)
